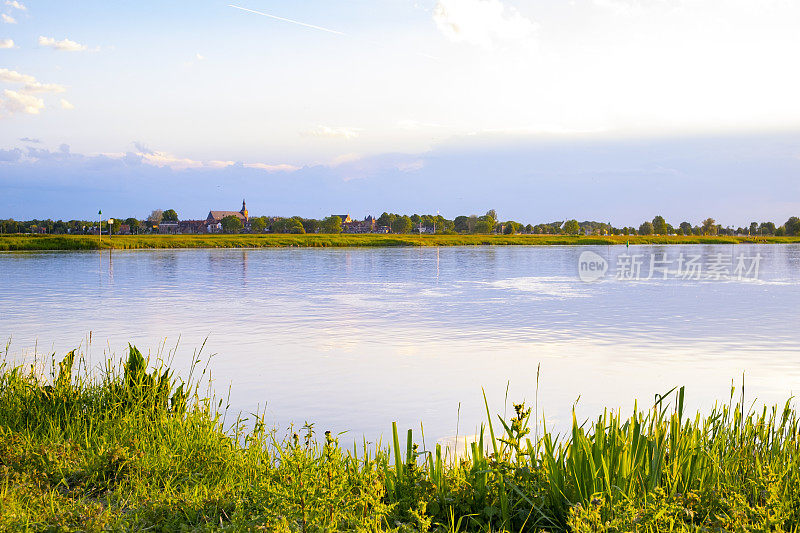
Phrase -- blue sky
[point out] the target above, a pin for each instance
(456, 105)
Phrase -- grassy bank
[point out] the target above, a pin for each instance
(137, 449)
(124, 242)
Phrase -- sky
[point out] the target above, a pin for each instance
(613, 110)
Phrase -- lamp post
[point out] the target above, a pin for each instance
(100, 224)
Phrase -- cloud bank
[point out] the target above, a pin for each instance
(486, 23)
(618, 181)
(64, 45)
(14, 102)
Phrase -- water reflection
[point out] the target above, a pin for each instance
(353, 339)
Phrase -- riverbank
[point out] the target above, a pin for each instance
(127, 242)
(138, 449)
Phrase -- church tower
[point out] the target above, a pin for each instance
(244, 211)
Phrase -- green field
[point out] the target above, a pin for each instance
(136, 449)
(125, 242)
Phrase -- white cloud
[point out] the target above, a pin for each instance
(15, 102)
(66, 105)
(164, 159)
(65, 45)
(344, 159)
(11, 76)
(486, 23)
(283, 167)
(200, 57)
(6, 43)
(16, 5)
(31, 84)
(334, 132)
(411, 166)
(8, 19)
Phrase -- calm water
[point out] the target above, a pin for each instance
(353, 339)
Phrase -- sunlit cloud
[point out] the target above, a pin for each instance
(158, 158)
(6, 43)
(486, 23)
(66, 105)
(64, 45)
(12, 76)
(16, 5)
(8, 19)
(14, 102)
(334, 132)
(283, 167)
(200, 57)
(31, 85)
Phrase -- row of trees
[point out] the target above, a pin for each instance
(658, 226)
(397, 223)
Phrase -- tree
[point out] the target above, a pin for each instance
(709, 227)
(461, 224)
(753, 228)
(490, 218)
(484, 226)
(792, 226)
(332, 224)
(133, 224)
(766, 228)
(659, 226)
(386, 220)
(155, 216)
(288, 225)
(402, 225)
(646, 228)
(258, 225)
(231, 224)
(571, 227)
(169, 216)
(311, 225)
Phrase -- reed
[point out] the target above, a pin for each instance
(134, 447)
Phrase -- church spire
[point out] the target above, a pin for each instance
(244, 210)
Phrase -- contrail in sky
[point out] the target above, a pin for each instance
(287, 20)
(312, 26)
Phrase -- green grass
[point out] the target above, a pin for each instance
(89, 242)
(134, 448)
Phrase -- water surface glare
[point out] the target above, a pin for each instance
(352, 339)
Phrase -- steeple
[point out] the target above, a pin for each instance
(244, 210)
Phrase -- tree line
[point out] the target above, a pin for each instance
(488, 223)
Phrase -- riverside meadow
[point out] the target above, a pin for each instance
(138, 448)
(127, 242)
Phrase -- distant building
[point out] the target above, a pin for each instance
(367, 225)
(192, 226)
(168, 228)
(345, 218)
(213, 221)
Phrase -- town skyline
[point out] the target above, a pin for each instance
(596, 108)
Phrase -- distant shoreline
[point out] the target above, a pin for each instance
(130, 242)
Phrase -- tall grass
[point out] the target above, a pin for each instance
(90, 242)
(134, 448)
